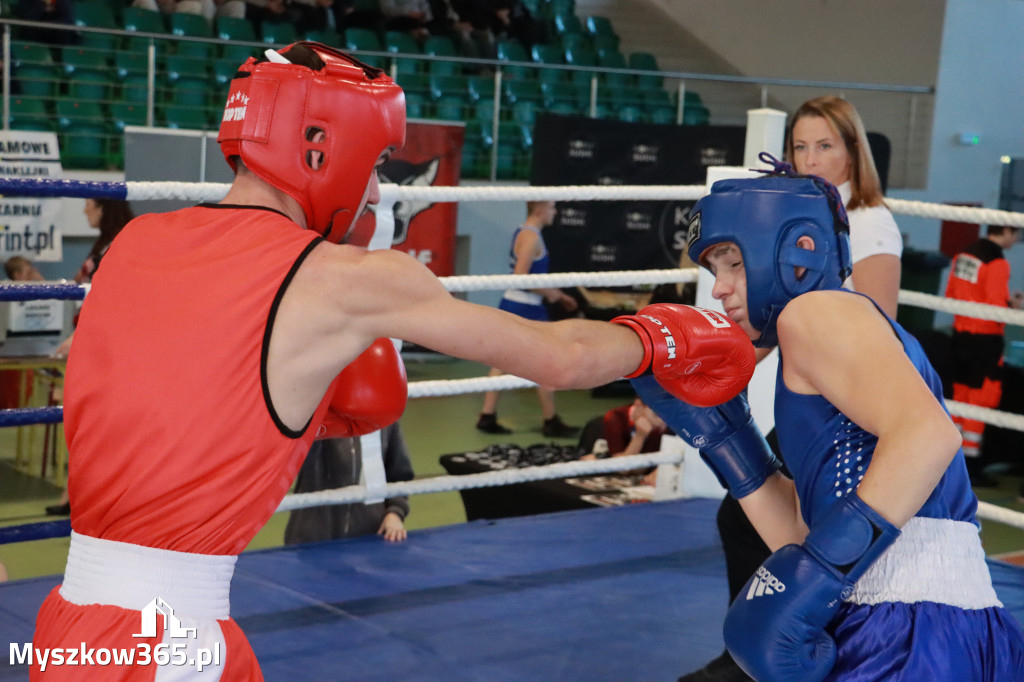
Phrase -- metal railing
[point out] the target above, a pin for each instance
(490, 108)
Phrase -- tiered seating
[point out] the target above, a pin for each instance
(91, 91)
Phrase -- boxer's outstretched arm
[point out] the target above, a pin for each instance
(342, 298)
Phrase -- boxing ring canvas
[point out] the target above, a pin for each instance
(629, 593)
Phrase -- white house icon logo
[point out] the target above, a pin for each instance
(171, 622)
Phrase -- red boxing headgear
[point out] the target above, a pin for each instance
(313, 132)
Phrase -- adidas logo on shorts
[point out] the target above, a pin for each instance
(764, 583)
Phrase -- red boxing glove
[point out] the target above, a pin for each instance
(700, 356)
(370, 393)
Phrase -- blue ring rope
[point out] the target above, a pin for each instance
(35, 531)
(62, 291)
(63, 188)
(26, 416)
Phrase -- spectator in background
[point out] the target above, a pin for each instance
(210, 9)
(630, 430)
(52, 11)
(980, 274)
(410, 16)
(512, 20)
(529, 255)
(827, 138)
(109, 216)
(337, 463)
(305, 15)
(21, 269)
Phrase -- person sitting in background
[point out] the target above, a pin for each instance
(21, 269)
(51, 11)
(410, 16)
(630, 430)
(337, 463)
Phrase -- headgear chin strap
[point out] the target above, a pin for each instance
(313, 131)
(765, 217)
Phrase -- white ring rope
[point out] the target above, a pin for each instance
(982, 311)
(442, 484)
(567, 279)
(964, 214)
(209, 191)
(189, 191)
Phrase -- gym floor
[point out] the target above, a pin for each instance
(432, 427)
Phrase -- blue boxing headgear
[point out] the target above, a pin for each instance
(765, 217)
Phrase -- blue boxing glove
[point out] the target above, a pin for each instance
(726, 436)
(776, 627)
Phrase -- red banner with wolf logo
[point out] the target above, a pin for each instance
(431, 157)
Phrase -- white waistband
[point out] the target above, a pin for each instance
(132, 576)
(520, 296)
(934, 560)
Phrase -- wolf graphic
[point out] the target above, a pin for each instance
(409, 174)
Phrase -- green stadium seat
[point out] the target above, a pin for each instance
(605, 42)
(278, 33)
(413, 82)
(77, 59)
(399, 42)
(234, 52)
(656, 97)
(581, 57)
(186, 24)
(96, 14)
(327, 36)
(192, 26)
(599, 26)
(135, 88)
(513, 51)
(632, 114)
(450, 108)
(647, 62)
(188, 92)
(696, 116)
(446, 84)
(180, 67)
(140, 20)
(522, 91)
(185, 117)
(235, 28)
(83, 132)
(34, 69)
(524, 112)
(416, 106)
(575, 41)
(223, 72)
(127, 114)
(613, 59)
(127, 62)
(480, 88)
(441, 46)
(551, 55)
(91, 85)
(29, 113)
(566, 22)
(663, 115)
(364, 39)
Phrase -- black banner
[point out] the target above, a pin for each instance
(624, 235)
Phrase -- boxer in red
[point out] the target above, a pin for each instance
(219, 340)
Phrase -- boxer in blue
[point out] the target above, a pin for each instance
(878, 572)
